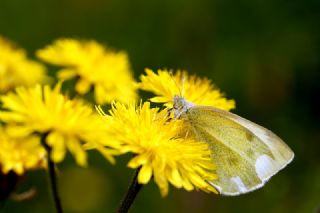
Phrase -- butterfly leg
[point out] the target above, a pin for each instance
(187, 134)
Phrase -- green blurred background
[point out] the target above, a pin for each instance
(264, 54)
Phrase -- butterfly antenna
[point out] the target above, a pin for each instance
(176, 83)
(183, 80)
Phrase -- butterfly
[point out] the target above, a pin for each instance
(246, 155)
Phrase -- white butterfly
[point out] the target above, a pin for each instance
(246, 154)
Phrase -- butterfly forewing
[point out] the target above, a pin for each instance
(246, 154)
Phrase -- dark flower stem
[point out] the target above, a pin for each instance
(52, 175)
(131, 194)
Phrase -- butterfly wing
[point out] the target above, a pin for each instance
(246, 154)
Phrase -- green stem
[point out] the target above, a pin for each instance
(131, 194)
(52, 175)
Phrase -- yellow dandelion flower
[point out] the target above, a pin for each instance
(197, 90)
(159, 150)
(20, 154)
(67, 123)
(16, 69)
(95, 67)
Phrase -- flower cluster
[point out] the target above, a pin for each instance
(66, 122)
(32, 113)
(16, 69)
(105, 71)
(163, 147)
(159, 148)
(34, 116)
(17, 153)
(20, 153)
(200, 91)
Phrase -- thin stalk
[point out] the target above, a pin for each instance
(52, 175)
(131, 194)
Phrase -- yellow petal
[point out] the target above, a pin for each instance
(137, 161)
(57, 143)
(162, 183)
(145, 174)
(175, 178)
(99, 94)
(83, 86)
(18, 131)
(77, 150)
(66, 74)
(107, 154)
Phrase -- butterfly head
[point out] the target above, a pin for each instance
(180, 105)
